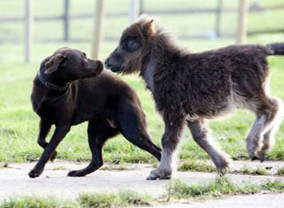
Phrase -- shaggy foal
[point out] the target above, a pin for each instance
(190, 87)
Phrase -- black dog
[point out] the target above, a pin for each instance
(69, 90)
(190, 87)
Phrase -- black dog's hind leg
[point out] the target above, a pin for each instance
(132, 125)
(44, 127)
(59, 134)
(98, 133)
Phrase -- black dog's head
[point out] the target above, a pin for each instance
(128, 55)
(66, 65)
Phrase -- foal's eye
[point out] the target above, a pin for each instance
(132, 45)
(85, 55)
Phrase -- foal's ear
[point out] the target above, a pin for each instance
(53, 63)
(149, 28)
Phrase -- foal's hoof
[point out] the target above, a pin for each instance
(254, 156)
(223, 166)
(262, 156)
(158, 174)
(222, 171)
(76, 173)
(34, 173)
(259, 156)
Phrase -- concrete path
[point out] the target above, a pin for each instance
(14, 181)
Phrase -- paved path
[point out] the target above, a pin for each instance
(15, 181)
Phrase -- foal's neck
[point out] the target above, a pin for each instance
(148, 72)
(159, 55)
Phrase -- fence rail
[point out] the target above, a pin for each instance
(139, 8)
(67, 16)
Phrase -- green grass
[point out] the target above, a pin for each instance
(198, 166)
(19, 124)
(124, 198)
(37, 202)
(251, 171)
(203, 166)
(220, 187)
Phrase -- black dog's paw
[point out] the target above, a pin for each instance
(34, 174)
(254, 158)
(76, 173)
(53, 156)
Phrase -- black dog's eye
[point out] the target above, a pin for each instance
(131, 44)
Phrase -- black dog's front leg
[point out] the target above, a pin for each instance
(59, 134)
(44, 127)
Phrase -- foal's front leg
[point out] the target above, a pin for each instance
(59, 134)
(170, 140)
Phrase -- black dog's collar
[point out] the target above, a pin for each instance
(50, 85)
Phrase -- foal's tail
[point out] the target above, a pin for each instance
(275, 49)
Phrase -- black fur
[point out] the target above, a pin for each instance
(191, 87)
(85, 93)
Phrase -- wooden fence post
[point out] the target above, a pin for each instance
(218, 18)
(98, 28)
(242, 21)
(141, 7)
(134, 10)
(28, 29)
(66, 19)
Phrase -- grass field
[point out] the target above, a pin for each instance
(19, 124)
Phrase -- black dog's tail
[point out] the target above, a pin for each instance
(275, 49)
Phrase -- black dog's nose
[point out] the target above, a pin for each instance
(100, 66)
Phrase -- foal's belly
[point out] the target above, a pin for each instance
(212, 111)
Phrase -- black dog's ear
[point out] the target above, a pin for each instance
(53, 64)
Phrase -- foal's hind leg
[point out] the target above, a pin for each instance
(268, 136)
(200, 135)
(259, 137)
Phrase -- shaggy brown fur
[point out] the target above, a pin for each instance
(190, 87)
(70, 89)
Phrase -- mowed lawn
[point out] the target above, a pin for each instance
(19, 124)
